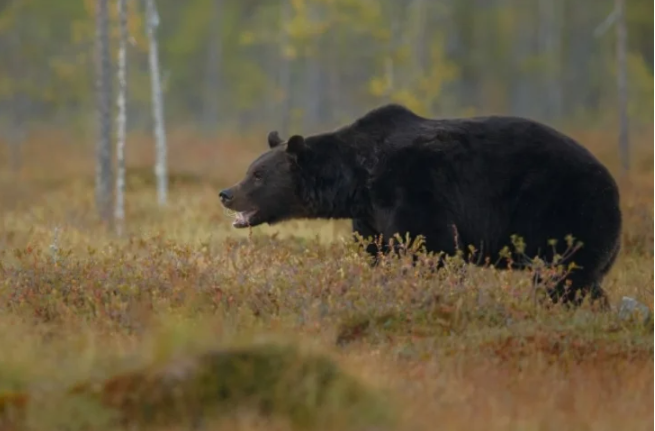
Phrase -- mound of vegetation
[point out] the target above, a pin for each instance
(276, 381)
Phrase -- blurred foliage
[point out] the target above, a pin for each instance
(309, 391)
(243, 64)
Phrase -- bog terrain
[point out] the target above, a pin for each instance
(186, 322)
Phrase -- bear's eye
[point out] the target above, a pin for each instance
(257, 175)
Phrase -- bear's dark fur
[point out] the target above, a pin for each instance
(479, 180)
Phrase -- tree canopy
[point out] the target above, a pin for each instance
(310, 63)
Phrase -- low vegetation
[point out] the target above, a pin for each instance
(186, 321)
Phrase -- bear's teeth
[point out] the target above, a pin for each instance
(243, 218)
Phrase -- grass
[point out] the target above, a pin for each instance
(184, 320)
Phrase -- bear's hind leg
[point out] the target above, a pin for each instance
(573, 290)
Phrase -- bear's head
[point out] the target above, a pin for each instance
(269, 193)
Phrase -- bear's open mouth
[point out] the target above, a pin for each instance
(243, 218)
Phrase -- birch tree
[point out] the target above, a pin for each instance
(121, 117)
(152, 18)
(103, 96)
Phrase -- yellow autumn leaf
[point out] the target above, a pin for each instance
(378, 86)
(289, 52)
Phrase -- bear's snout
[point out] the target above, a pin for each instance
(226, 195)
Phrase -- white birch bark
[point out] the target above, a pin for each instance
(121, 118)
(157, 104)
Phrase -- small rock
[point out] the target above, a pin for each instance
(630, 306)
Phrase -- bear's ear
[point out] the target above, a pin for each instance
(296, 144)
(274, 139)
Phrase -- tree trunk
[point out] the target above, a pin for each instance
(420, 54)
(313, 94)
(103, 97)
(16, 129)
(157, 104)
(212, 74)
(622, 84)
(579, 58)
(16, 135)
(549, 39)
(121, 117)
(284, 76)
(334, 99)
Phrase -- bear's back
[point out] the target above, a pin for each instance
(393, 127)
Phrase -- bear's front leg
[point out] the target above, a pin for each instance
(441, 239)
(364, 229)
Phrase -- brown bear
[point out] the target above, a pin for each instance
(485, 178)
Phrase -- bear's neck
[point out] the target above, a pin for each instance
(338, 190)
(346, 202)
(342, 195)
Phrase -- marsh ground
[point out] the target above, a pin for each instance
(445, 351)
